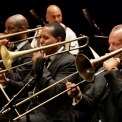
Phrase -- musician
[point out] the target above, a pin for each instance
(17, 23)
(13, 24)
(60, 66)
(105, 93)
(54, 14)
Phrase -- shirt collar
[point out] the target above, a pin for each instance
(53, 57)
(19, 46)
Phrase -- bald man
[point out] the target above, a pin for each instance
(16, 23)
(54, 14)
(13, 24)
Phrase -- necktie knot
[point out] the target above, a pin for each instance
(13, 48)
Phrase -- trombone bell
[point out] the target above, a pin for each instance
(7, 59)
(84, 67)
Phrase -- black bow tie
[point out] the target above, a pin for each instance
(13, 48)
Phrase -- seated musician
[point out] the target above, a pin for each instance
(13, 24)
(61, 65)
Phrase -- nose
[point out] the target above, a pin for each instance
(41, 42)
(6, 32)
(56, 19)
(111, 48)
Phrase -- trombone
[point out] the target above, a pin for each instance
(29, 38)
(8, 57)
(5, 70)
(19, 41)
(85, 66)
(81, 62)
(18, 33)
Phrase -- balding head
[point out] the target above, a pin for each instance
(117, 27)
(115, 38)
(53, 14)
(117, 31)
(14, 24)
(18, 20)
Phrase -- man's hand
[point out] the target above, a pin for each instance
(3, 42)
(36, 55)
(74, 91)
(111, 63)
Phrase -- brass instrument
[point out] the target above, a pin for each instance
(19, 41)
(18, 33)
(86, 67)
(5, 70)
(8, 57)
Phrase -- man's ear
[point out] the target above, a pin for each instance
(59, 39)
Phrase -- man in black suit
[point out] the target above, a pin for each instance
(60, 66)
(16, 23)
(105, 93)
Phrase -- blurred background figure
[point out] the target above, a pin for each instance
(54, 14)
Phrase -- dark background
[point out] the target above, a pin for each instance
(105, 14)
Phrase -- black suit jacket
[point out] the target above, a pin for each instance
(61, 107)
(17, 74)
(114, 102)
